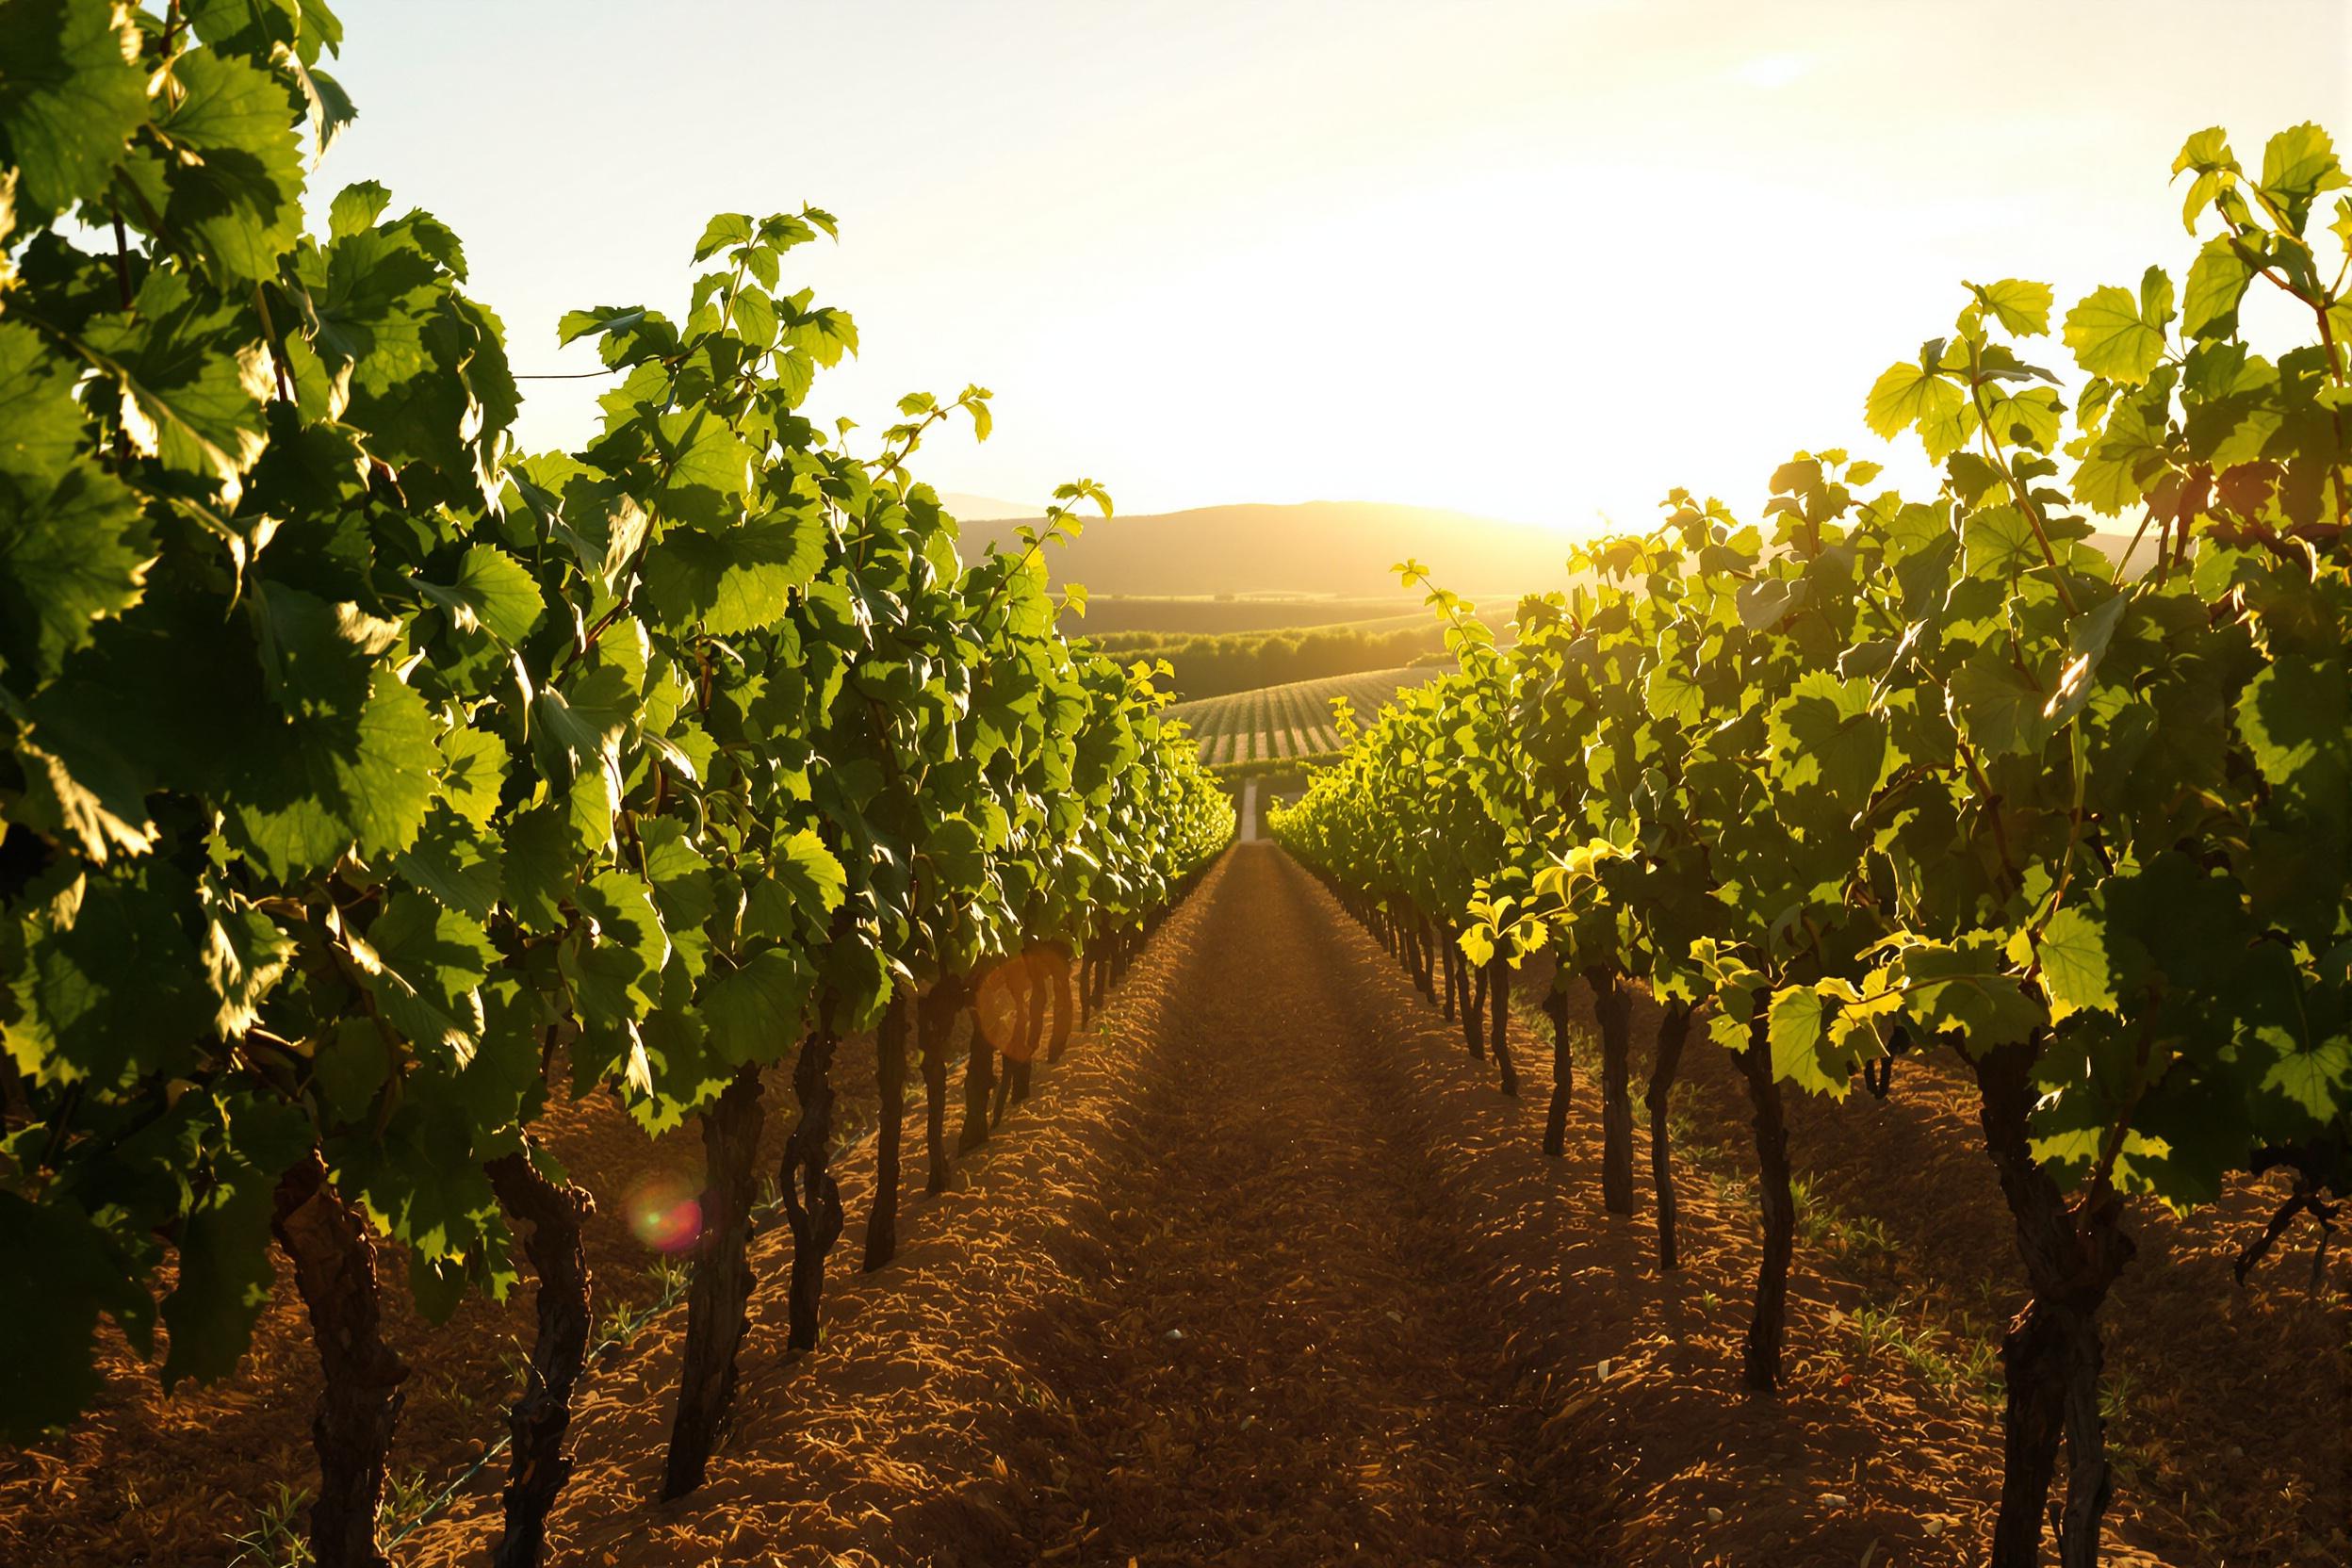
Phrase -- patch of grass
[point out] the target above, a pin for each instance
(406, 1495)
(1821, 1224)
(620, 1326)
(276, 1539)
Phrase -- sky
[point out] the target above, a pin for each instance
(1535, 261)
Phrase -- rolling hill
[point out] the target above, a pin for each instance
(1305, 550)
(1312, 547)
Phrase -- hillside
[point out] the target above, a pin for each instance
(1342, 547)
(1309, 548)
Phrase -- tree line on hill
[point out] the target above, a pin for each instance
(1215, 664)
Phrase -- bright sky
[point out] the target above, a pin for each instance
(1538, 260)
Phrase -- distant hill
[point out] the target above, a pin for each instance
(1311, 548)
(1339, 548)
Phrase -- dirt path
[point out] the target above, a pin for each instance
(1292, 1365)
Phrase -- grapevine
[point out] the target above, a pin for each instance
(368, 785)
(1889, 773)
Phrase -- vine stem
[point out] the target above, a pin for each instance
(2025, 498)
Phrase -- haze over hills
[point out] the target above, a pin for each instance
(1343, 548)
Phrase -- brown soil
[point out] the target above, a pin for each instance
(2230, 1408)
(1267, 1273)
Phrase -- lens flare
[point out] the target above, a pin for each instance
(664, 1211)
(1001, 1009)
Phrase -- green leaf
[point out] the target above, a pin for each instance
(615, 966)
(2218, 282)
(756, 1013)
(2316, 1079)
(473, 774)
(808, 877)
(40, 424)
(308, 792)
(454, 863)
(493, 592)
(728, 228)
(1672, 694)
(227, 1274)
(1824, 735)
(682, 888)
(73, 552)
(2298, 164)
(1906, 396)
(2126, 461)
(71, 96)
(78, 782)
(1997, 705)
(108, 988)
(351, 1062)
(57, 1272)
(2116, 336)
(238, 183)
(358, 208)
(2089, 636)
(245, 956)
(1765, 604)
(191, 382)
(542, 868)
(2296, 717)
(1964, 990)
(427, 962)
(2021, 306)
(755, 317)
(2077, 970)
(1797, 1028)
(824, 334)
(705, 469)
(735, 579)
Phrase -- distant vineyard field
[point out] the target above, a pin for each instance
(1290, 722)
(1184, 615)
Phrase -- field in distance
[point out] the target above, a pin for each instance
(1291, 722)
(1189, 614)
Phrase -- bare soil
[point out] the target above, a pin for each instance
(1267, 1272)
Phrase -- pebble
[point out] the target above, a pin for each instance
(1173, 1335)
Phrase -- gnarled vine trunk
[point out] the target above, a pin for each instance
(335, 1267)
(1564, 1067)
(1767, 1325)
(2051, 1355)
(1498, 1020)
(721, 1292)
(890, 1055)
(549, 1214)
(1473, 1012)
(812, 1200)
(1674, 1031)
(935, 1028)
(1032, 1026)
(1612, 1010)
(979, 1078)
(1060, 1039)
